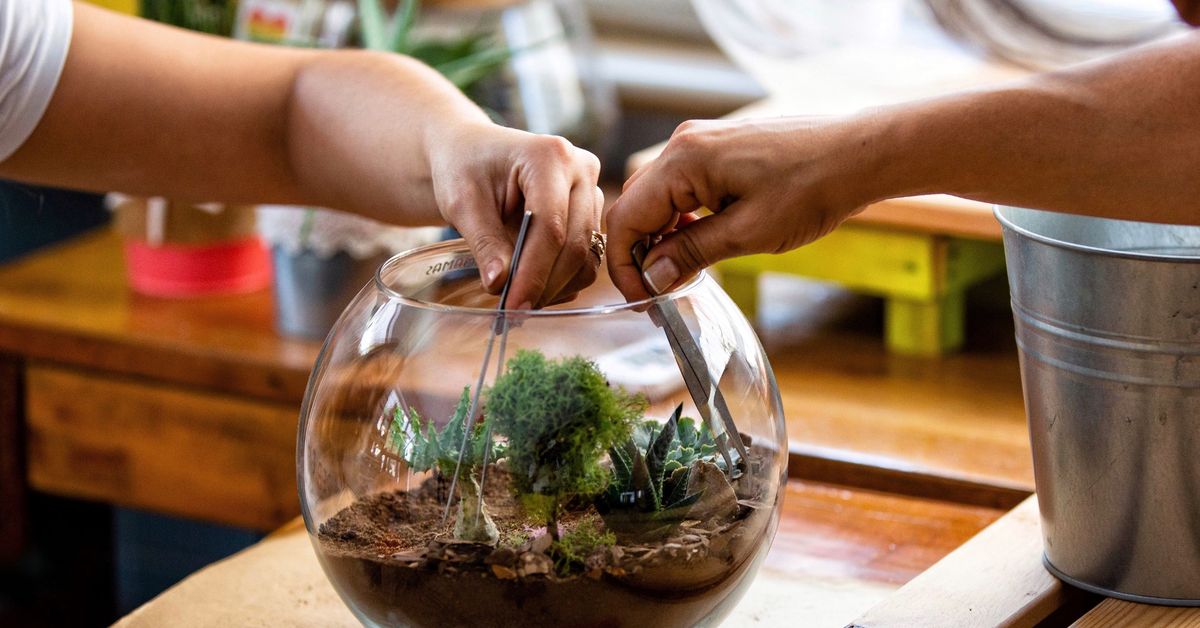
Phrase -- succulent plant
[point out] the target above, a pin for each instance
(215, 17)
(690, 443)
(649, 491)
(424, 447)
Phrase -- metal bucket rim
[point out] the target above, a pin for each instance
(997, 211)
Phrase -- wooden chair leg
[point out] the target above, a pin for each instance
(925, 328)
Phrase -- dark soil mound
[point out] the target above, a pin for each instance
(391, 556)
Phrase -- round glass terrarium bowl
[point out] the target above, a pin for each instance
(579, 486)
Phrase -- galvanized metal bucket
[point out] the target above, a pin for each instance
(1108, 325)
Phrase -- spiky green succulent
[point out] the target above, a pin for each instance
(691, 441)
(648, 493)
(464, 60)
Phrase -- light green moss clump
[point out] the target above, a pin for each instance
(572, 550)
(560, 419)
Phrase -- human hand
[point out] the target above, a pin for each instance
(484, 176)
(772, 185)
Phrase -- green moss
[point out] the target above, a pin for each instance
(514, 539)
(560, 418)
(570, 552)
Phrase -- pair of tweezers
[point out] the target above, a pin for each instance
(499, 328)
(694, 368)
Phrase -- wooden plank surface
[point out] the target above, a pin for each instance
(827, 529)
(214, 457)
(1120, 614)
(995, 579)
(860, 415)
(70, 304)
(837, 552)
(892, 476)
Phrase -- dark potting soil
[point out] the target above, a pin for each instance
(394, 560)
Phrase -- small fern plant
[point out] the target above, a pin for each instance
(424, 448)
(648, 495)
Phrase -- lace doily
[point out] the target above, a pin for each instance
(332, 231)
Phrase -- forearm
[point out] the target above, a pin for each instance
(359, 125)
(144, 109)
(1117, 139)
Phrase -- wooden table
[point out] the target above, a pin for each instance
(174, 406)
(994, 579)
(190, 408)
(997, 579)
(837, 552)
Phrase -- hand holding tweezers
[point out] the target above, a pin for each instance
(696, 374)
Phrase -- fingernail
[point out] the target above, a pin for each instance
(525, 306)
(492, 273)
(662, 274)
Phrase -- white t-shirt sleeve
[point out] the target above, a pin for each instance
(34, 37)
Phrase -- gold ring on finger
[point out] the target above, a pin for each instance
(598, 244)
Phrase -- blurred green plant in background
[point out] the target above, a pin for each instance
(215, 17)
(464, 60)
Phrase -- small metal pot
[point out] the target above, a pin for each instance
(311, 291)
(1108, 325)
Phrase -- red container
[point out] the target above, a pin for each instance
(186, 270)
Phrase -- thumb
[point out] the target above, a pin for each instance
(692, 247)
(481, 226)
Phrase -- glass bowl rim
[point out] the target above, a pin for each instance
(461, 244)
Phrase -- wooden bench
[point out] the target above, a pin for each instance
(181, 407)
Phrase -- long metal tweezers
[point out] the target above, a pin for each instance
(499, 328)
(692, 365)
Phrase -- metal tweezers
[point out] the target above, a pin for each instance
(692, 365)
(499, 328)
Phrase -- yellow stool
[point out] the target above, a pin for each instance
(923, 278)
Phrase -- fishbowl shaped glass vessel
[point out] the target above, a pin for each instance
(463, 466)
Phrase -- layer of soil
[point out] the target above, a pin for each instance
(395, 562)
